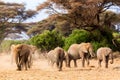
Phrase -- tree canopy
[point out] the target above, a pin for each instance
(80, 13)
(11, 15)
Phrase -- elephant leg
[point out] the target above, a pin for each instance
(66, 63)
(75, 63)
(21, 62)
(26, 64)
(19, 67)
(18, 62)
(106, 62)
(60, 65)
(69, 63)
(87, 60)
(99, 62)
(29, 62)
(57, 63)
(52, 63)
(83, 62)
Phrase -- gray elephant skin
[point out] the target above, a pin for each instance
(104, 54)
(23, 56)
(80, 51)
(56, 56)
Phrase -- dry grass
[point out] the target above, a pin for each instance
(42, 71)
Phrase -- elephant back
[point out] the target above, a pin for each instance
(104, 51)
(59, 52)
(51, 56)
(73, 51)
(25, 49)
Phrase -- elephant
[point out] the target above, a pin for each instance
(66, 58)
(12, 52)
(56, 56)
(23, 55)
(32, 51)
(104, 54)
(80, 51)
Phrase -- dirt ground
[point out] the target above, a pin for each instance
(41, 70)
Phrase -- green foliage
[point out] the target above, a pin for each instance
(116, 35)
(97, 44)
(48, 40)
(102, 38)
(77, 36)
(106, 32)
(96, 37)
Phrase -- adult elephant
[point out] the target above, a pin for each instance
(56, 56)
(80, 51)
(23, 55)
(104, 54)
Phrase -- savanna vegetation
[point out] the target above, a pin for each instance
(69, 21)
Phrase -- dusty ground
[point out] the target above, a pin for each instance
(42, 71)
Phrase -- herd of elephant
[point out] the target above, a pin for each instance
(23, 55)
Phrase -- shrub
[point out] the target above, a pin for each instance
(96, 37)
(97, 44)
(77, 36)
(47, 40)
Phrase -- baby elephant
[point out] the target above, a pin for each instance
(56, 56)
(103, 54)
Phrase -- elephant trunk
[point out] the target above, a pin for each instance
(111, 57)
(93, 55)
(111, 61)
(91, 52)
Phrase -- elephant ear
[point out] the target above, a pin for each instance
(108, 51)
(83, 48)
(33, 49)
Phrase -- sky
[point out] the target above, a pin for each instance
(31, 4)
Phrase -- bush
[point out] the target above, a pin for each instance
(47, 40)
(96, 37)
(97, 44)
(116, 36)
(77, 36)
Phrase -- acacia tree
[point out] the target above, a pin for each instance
(80, 13)
(11, 15)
